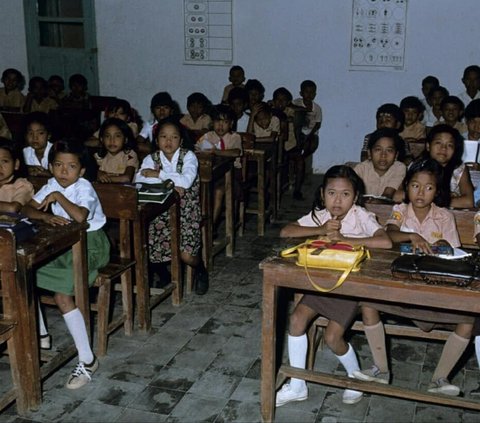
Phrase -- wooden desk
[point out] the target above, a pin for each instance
(374, 282)
(263, 154)
(212, 168)
(145, 213)
(18, 284)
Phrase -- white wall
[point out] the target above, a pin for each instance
(13, 49)
(279, 42)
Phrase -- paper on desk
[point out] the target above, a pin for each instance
(458, 253)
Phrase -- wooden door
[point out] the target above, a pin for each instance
(61, 39)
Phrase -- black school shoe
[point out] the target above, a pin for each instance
(201, 280)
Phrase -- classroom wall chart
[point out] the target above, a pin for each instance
(378, 35)
(208, 32)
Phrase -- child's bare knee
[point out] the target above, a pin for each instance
(370, 316)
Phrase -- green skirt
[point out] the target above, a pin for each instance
(57, 275)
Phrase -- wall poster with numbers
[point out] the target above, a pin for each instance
(208, 32)
(378, 34)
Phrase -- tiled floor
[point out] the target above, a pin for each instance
(201, 361)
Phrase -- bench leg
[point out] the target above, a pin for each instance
(103, 313)
(127, 302)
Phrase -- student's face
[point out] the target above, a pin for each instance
(263, 119)
(471, 82)
(383, 154)
(442, 148)
(78, 90)
(426, 88)
(421, 190)
(10, 81)
(7, 166)
(169, 140)
(162, 112)
(236, 77)
(412, 115)
(338, 196)
(113, 139)
(308, 94)
(386, 120)
(119, 113)
(196, 110)
(238, 106)
(66, 169)
(39, 90)
(281, 101)
(56, 86)
(436, 98)
(222, 126)
(473, 126)
(254, 97)
(451, 113)
(37, 136)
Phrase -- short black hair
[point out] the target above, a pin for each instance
(238, 93)
(452, 99)
(388, 133)
(79, 79)
(471, 68)
(18, 74)
(430, 79)
(256, 85)
(198, 98)
(307, 83)
(236, 68)
(412, 102)
(391, 109)
(440, 88)
(222, 111)
(36, 79)
(472, 111)
(37, 117)
(161, 99)
(282, 91)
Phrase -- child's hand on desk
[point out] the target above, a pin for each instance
(53, 220)
(103, 177)
(420, 243)
(150, 173)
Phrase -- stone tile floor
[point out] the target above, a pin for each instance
(201, 361)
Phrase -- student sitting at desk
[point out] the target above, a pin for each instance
(11, 97)
(117, 160)
(337, 213)
(422, 221)
(224, 142)
(71, 197)
(37, 137)
(472, 120)
(384, 171)
(173, 161)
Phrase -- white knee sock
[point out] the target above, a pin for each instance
(297, 355)
(76, 326)
(350, 362)
(477, 349)
(41, 322)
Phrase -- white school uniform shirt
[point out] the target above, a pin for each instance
(169, 170)
(147, 130)
(242, 123)
(466, 98)
(357, 223)
(314, 116)
(80, 193)
(32, 160)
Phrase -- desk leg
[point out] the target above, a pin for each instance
(141, 274)
(207, 230)
(176, 269)
(229, 213)
(269, 341)
(261, 196)
(26, 355)
(80, 279)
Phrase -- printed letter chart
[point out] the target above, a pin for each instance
(208, 32)
(378, 34)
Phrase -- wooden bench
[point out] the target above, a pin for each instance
(465, 226)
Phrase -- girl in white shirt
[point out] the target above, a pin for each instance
(37, 136)
(171, 161)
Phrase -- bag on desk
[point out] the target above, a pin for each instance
(433, 270)
(21, 227)
(155, 193)
(321, 254)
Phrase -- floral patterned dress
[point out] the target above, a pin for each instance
(159, 232)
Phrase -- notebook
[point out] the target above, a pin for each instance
(470, 151)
